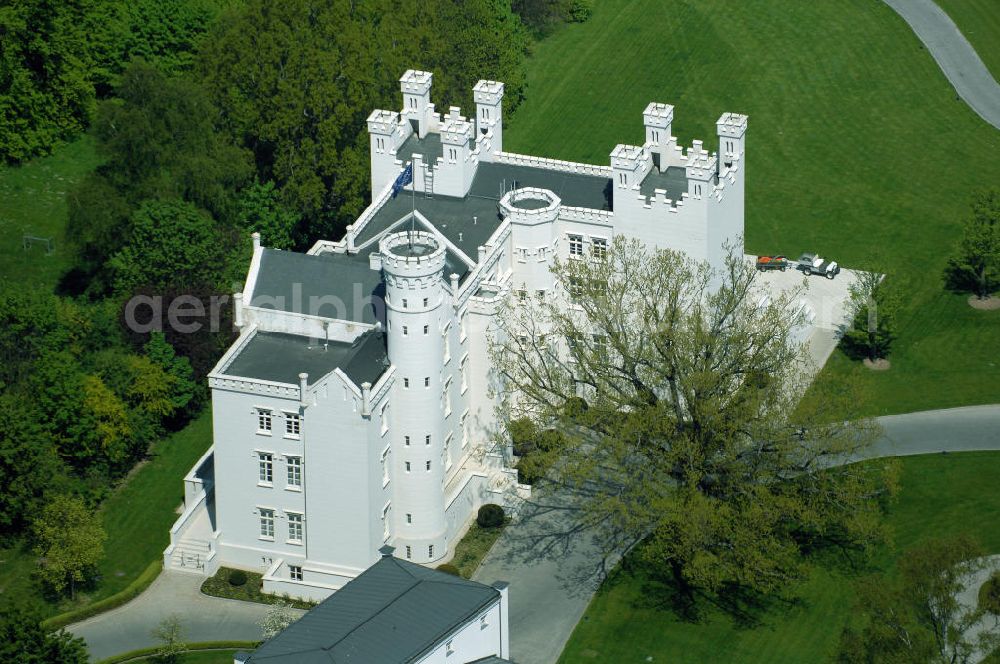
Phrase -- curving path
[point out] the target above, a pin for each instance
(537, 555)
(203, 618)
(954, 55)
(552, 571)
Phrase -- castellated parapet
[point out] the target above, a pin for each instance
(530, 206)
(412, 255)
(416, 82)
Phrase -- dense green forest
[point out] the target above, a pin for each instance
(212, 119)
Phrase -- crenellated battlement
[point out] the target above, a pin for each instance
(658, 115)
(382, 122)
(515, 159)
(455, 129)
(416, 82)
(488, 92)
(732, 125)
(411, 254)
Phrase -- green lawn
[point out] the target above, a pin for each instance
(856, 145)
(979, 21)
(941, 495)
(33, 202)
(473, 547)
(137, 518)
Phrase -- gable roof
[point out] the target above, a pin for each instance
(392, 613)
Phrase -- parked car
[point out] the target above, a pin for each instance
(772, 263)
(814, 264)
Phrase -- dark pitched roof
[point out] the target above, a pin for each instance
(340, 286)
(454, 216)
(392, 613)
(282, 357)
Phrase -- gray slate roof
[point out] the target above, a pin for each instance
(392, 613)
(673, 180)
(282, 357)
(454, 216)
(340, 286)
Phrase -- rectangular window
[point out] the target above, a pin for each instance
(406, 441)
(409, 518)
(600, 247)
(426, 301)
(427, 329)
(600, 345)
(576, 245)
(407, 464)
(427, 439)
(540, 294)
(265, 467)
(404, 302)
(446, 396)
(294, 471)
(406, 383)
(409, 552)
(384, 414)
(292, 425)
(294, 527)
(430, 550)
(266, 523)
(427, 381)
(263, 421)
(385, 466)
(405, 331)
(428, 466)
(465, 374)
(575, 288)
(447, 347)
(522, 295)
(295, 572)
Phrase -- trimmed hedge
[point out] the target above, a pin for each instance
(131, 591)
(237, 577)
(144, 653)
(490, 516)
(448, 568)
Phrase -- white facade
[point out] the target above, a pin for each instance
(405, 454)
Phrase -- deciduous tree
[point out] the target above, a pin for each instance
(24, 640)
(918, 617)
(70, 540)
(678, 392)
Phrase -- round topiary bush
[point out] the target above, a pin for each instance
(490, 516)
(448, 568)
(989, 594)
(237, 577)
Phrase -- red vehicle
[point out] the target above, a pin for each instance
(772, 263)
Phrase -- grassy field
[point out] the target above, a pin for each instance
(979, 21)
(625, 624)
(857, 147)
(33, 202)
(137, 519)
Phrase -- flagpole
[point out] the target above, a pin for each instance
(413, 206)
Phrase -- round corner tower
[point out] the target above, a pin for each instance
(413, 264)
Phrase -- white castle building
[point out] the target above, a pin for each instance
(357, 407)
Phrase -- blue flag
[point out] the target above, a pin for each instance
(405, 178)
